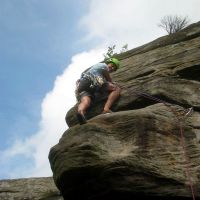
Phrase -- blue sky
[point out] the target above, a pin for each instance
(44, 46)
(37, 40)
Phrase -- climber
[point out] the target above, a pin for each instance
(96, 79)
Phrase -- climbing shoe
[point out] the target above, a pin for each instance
(107, 112)
(81, 118)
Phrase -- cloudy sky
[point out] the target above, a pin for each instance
(44, 46)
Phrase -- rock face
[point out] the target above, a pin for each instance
(150, 145)
(29, 189)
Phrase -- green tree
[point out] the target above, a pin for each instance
(111, 51)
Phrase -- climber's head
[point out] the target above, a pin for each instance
(115, 63)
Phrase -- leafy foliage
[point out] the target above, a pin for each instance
(111, 51)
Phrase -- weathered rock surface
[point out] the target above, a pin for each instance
(146, 148)
(166, 67)
(29, 189)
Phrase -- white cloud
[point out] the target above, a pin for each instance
(115, 22)
(133, 21)
(54, 108)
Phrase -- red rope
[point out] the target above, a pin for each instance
(182, 141)
(187, 171)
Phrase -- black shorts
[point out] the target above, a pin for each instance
(85, 89)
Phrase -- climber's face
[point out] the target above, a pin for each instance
(111, 67)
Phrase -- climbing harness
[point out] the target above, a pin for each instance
(180, 116)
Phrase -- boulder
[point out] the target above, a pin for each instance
(42, 188)
(150, 145)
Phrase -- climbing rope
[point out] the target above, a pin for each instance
(180, 116)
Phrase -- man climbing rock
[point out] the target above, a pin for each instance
(97, 79)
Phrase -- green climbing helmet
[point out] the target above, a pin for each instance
(115, 61)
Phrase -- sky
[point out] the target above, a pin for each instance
(44, 47)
